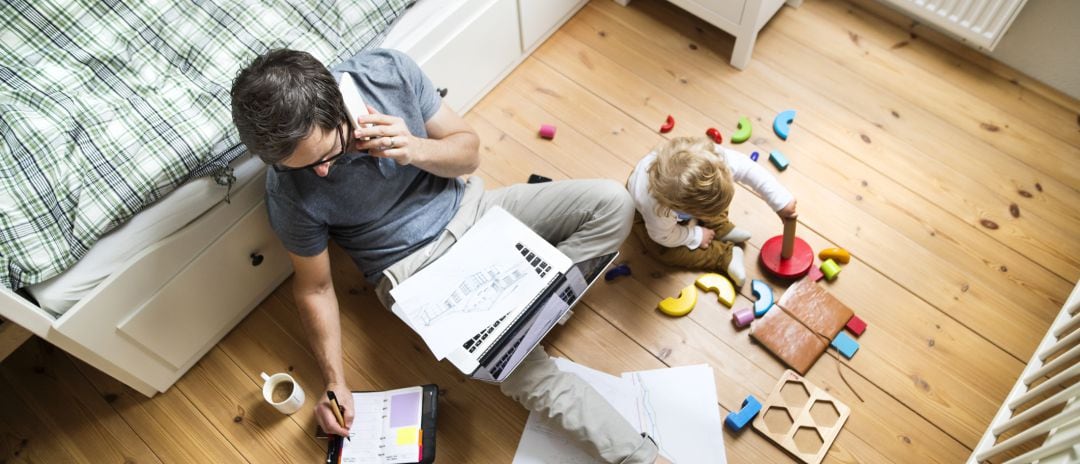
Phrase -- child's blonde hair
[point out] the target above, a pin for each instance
(690, 177)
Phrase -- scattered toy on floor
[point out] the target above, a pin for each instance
(778, 159)
(764, 297)
(787, 256)
(815, 274)
(813, 412)
(742, 317)
(714, 134)
(617, 271)
(547, 131)
(846, 345)
(743, 133)
(538, 179)
(856, 325)
(736, 421)
(680, 306)
(754, 156)
(669, 124)
(830, 269)
(711, 282)
(782, 124)
(839, 255)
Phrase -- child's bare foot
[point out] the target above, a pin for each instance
(736, 270)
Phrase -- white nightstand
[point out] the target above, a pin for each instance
(740, 18)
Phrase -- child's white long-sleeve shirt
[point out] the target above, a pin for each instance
(666, 230)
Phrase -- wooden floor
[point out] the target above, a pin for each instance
(954, 188)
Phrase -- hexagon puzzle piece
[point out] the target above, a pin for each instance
(737, 420)
(711, 282)
(680, 306)
(764, 297)
(782, 124)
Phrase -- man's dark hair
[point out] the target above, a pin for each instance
(278, 98)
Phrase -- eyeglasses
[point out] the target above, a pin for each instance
(342, 136)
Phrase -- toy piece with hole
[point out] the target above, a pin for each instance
(839, 255)
(680, 306)
(669, 124)
(787, 256)
(725, 292)
(743, 133)
(782, 124)
(714, 134)
(764, 297)
(736, 421)
(801, 418)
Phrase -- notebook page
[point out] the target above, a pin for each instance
(386, 427)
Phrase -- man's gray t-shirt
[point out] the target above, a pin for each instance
(378, 211)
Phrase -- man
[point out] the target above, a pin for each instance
(386, 189)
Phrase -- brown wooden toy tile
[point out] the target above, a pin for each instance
(788, 339)
(801, 418)
(810, 303)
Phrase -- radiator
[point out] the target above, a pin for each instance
(1042, 412)
(978, 22)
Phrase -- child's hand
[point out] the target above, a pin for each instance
(788, 212)
(707, 236)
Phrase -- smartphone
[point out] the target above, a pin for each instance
(354, 103)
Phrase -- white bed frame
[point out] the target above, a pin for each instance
(149, 322)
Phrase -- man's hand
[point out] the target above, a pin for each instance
(385, 136)
(788, 212)
(324, 415)
(707, 236)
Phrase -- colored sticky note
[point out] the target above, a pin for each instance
(405, 409)
(408, 436)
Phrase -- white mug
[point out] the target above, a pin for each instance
(290, 404)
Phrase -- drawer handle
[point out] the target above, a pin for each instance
(442, 91)
(256, 259)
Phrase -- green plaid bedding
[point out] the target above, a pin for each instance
(106, 105)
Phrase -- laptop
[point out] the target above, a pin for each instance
(493, 353)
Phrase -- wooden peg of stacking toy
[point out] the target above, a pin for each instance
(787, 256)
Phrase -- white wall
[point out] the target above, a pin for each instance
(1044, 43)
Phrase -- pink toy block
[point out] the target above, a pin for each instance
(547, 131)
(856, 326)
(742, 317)
(815, 273)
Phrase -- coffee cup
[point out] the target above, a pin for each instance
(282, 392)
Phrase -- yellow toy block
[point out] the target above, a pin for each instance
(680, 306)
(725, 292)
(839, 255)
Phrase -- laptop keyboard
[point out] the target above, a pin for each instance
(541, 268)
(473, 343)
(501, 363)
(538, 264)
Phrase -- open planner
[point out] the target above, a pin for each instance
(389, 427)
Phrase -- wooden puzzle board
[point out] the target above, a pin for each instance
(808, 412)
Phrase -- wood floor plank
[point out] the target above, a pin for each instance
(24, 438)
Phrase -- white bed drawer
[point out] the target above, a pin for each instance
(539, 18)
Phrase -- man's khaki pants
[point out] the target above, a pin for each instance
(584, 219)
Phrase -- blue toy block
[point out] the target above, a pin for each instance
(782, 124)
(778, 159)
(617, 271)
(764, 297)
(736, 421)
(754, 156)
(846, 345)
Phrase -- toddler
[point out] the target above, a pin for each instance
(682, 192)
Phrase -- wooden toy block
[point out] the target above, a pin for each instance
(801, 418)
(714, 134)
(680, 306)
(547, 131)
(846, 345)
(788, 339)
(778, 159)
(725, 292)
(743, 133)
(815, 274)
(816, 308)
(742, 317)
(669, 124)
(839, 255)
(617, 271)
(764, 297)
(786, 256)
(782, 124)
(830, 269)
(736, 421)
(856, 326)
(754, 156)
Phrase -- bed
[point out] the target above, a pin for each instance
(160, 288)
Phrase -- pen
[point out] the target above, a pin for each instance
(337, 410)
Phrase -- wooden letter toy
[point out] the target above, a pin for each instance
(715, 135)
(725, 292)
(778, 159)
(680, 306)
(846, 345)
(743, 134)
(764, 297)
(830, 269)
(801, 418)
(782, 124)
(839, 255)
(669, 124)
(737, 420)
(547, 131)
(787, 256)
(856, 326)
(742, 317)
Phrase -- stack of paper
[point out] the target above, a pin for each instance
(677, 407)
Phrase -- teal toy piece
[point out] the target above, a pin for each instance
(846, 345)
(743, 134)
(764, 297)
(736, 421)
(778, 159)
(782, 124)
